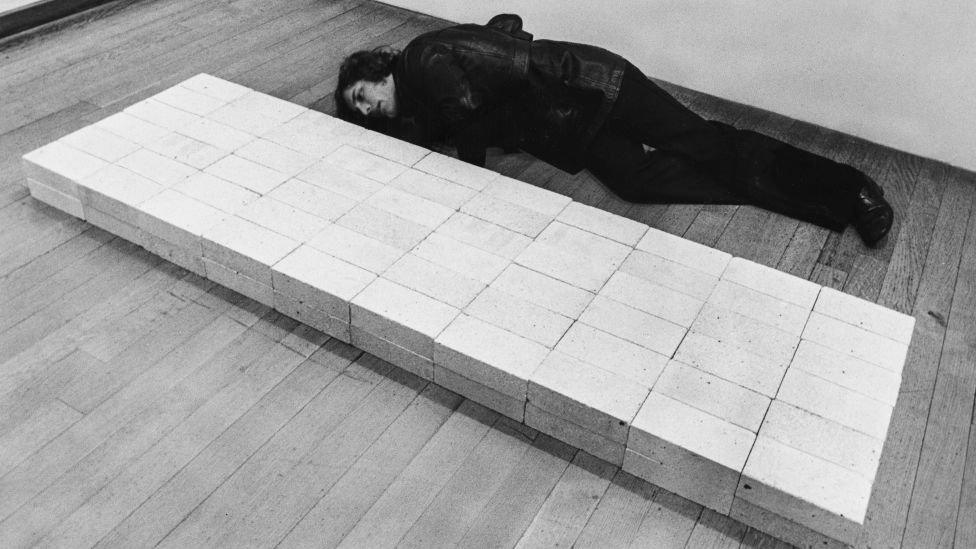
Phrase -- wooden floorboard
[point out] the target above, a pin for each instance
(892, 496)
(566, 511)
(33, 100)
(404, 501)
(329, 21)
(188, 54)
(22, 279)
(47, 495)
(668, 523)
(141, 405)
(754, 539)
(619, 513)
(459, 503)
(123, 355)
(291, 496)
(267, 470)
(867, 271)
(513, 507)
(36, 243)
(104, 510)
(92, 517)
(102, 288)
(50, 290)
(938, 482)
(230, 467)
(965, 534)
(61, 368)
(160, 374)
(25, 60)
(716, 531)
(911, 248)
(341, 507)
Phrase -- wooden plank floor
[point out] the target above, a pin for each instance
(142, 405)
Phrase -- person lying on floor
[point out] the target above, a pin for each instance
(577, 106)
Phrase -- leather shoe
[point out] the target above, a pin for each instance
(873, 215)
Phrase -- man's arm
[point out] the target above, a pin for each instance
(472, 144)
(448, 90)
(447, 87)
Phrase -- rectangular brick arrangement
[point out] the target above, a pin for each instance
(755, 393)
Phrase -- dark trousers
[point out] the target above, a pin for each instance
(697, 161)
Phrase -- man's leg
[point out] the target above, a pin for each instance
(711, 162)
(785, 179)
(646, 113)
(636, 175)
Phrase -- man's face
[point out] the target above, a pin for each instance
(376, 99)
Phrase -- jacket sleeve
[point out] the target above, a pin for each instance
(448, 90)
(462, 76)
(472, 145)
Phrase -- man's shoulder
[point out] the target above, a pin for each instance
(501, 29)
(448, 36)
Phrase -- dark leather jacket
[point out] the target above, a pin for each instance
(492, 85)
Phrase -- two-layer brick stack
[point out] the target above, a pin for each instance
(755, 393)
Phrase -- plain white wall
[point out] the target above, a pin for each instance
(897, 72)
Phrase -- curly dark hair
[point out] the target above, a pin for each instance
(369, 65)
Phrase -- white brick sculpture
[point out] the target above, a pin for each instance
(755, 393)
